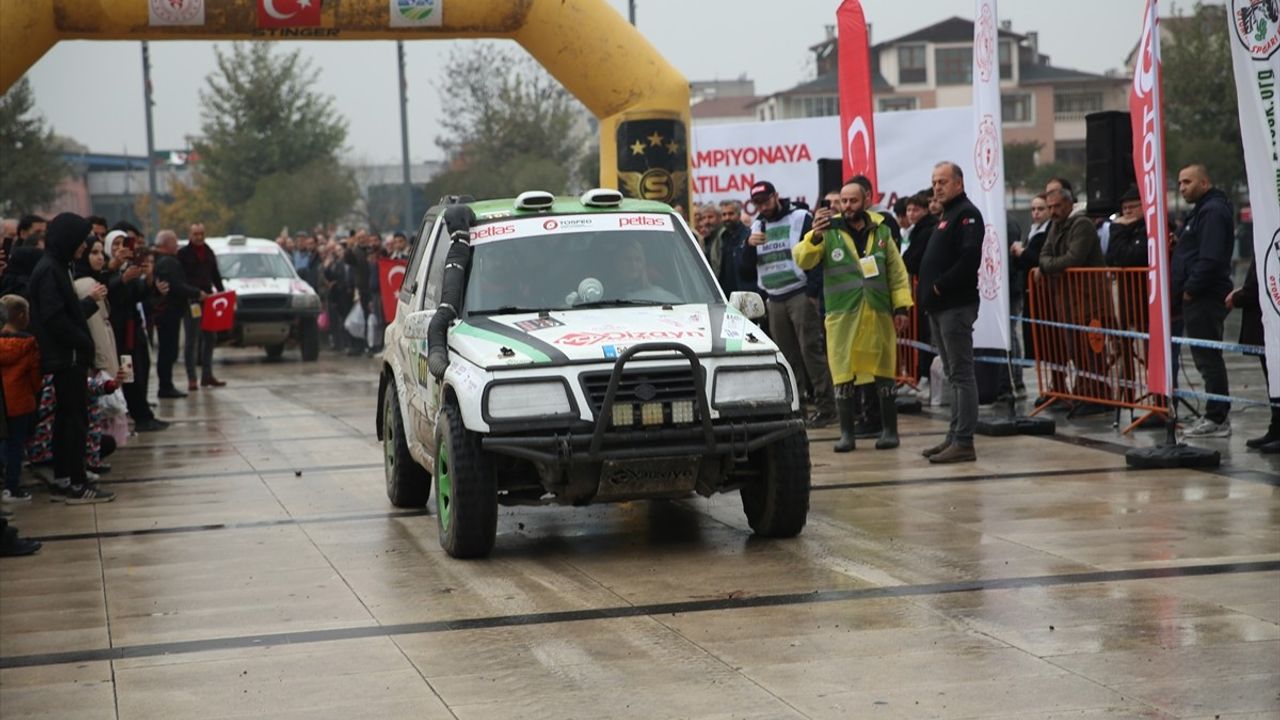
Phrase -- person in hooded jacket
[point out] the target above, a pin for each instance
(128, 289)
(1199, 279)
(66, 351)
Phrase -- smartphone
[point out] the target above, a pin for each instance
(128, 241)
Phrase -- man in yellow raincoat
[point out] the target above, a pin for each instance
(867, 295)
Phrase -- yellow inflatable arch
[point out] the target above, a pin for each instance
(642, 102)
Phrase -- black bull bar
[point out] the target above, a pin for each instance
(727, 438)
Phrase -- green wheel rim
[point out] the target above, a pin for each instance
(444, 487)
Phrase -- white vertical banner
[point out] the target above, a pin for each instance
(1254, 55)
(986, 189)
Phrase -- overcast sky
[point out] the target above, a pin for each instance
(92, 91)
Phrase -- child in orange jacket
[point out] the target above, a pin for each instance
(20, 373)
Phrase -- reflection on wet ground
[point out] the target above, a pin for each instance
(252, 566)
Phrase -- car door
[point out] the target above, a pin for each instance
(425, 400)
(408, 302)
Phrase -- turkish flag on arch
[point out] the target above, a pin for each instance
(288, 13)
(219, 312)
(390, 278)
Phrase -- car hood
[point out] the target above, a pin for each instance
(267, 286)
(559, 337)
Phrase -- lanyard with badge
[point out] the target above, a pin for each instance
(866, 261)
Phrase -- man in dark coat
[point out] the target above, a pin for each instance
(172, 301)
(1199, 279)
(948, 291)
(201, 268)
(66, 352)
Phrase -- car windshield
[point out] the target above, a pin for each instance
(236, 266)
(591, 268)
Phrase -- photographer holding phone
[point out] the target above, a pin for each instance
(867, 295)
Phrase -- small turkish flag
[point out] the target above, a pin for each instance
(288, 13)
(390, 278)
(219, 312)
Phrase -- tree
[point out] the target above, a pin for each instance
(509, 127)
(1202, 122)
(1020, 163)
(190, 203)
(320, 192)
(29, 155)
(261, 119)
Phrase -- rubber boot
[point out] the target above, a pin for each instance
(888, 415)
(844, 407)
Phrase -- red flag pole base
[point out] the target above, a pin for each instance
(1178, 455)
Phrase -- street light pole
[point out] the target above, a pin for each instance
(154, 215)
(631, 8)
(408, 222)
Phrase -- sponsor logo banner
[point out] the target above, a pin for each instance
(602, 222)
(1145, 117)
(1255, 25)
(175, 12)
(728, 159)
(992, 328)
(417, 13)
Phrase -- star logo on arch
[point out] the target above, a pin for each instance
(637, 148)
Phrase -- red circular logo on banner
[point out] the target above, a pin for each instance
(986, 153)
(992, 268)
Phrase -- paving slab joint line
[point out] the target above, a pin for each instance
(630, 611)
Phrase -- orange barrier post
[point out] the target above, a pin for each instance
(1087, 328)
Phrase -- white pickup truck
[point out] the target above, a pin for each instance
(569, 351)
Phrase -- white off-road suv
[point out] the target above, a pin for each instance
(578, 350)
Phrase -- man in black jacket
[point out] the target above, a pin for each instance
(948, 291)
(201, 267)
(172, 302)
(66, 352)
(1199, 280)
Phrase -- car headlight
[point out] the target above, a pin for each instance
(763, 386)
(528, 400)
(304, 301)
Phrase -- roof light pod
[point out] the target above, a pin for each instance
(602, 197)
(535, 200)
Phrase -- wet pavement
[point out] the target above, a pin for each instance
(252, 566)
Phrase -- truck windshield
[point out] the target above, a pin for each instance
(592, 268)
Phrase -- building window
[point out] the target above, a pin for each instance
(955, 65)
(1016, 108)
(1006, 60)
(1075, 105)
(897, 104)
(911, 64)
(1070, 153)
(816, 106)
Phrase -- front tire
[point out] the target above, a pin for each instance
(408, 483)
(466, 490)
(776, 500)
(309, 340)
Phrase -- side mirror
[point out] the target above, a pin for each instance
(415, 324)
(748, 303)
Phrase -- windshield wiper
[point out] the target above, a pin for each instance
(509, 310)
(619, 302)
